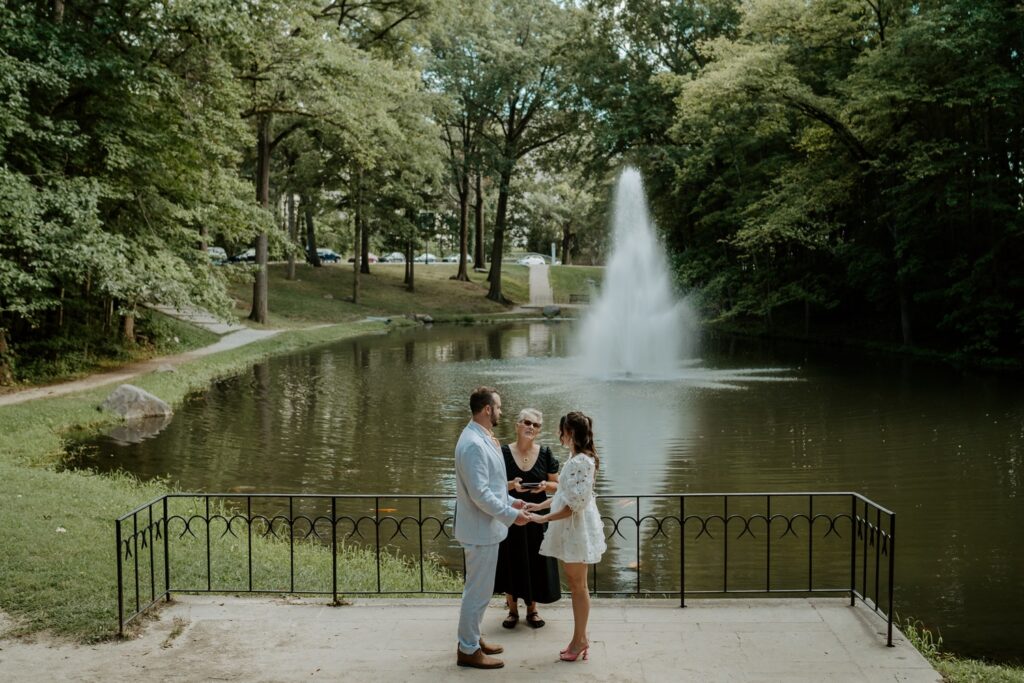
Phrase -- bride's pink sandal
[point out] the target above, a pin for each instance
(568, 655)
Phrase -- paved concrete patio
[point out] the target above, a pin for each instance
(242, 639)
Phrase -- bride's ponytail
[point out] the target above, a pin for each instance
(582, 430)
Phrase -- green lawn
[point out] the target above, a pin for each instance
(567, 280)
(56, 527)
(324, 294)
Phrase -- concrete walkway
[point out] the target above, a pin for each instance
(227, 638)
(199, 317)
(540, 287)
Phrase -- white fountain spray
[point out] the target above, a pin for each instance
(636, 328)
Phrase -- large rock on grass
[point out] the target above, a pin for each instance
(133, 403)
(551, 311)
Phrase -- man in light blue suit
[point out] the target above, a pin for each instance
(483, 512)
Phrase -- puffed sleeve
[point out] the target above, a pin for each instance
(577, 481)
(552, 462)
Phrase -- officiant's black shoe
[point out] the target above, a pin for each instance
(478, 660)
(490, 649)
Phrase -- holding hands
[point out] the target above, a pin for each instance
(531, 510)
(527, 513)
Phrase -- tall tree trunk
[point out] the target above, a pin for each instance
(462, 273)
(905, 325)
(478, 211)
(903, 296)
(494, 293)
(292, 235)
(410, 253)
(567, 236)
(364, 249)
(58, 11)
(410, 265)
(6, 374)
(259, 286)
(128, 326)
(311, 253)
(357, 236)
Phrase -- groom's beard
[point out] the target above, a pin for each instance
(494, 420)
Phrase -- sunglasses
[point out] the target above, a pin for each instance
(528, 423)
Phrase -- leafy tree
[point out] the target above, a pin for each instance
(460, 52)
(113, 124)
(538, 104)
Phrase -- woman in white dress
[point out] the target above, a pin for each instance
(575, 532)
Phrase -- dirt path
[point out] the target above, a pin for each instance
(229, 341)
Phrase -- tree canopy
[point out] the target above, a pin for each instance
(849, 164)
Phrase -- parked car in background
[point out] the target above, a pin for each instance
(217, 255)
(531, 260)
(247, 256)
(425, 258)
(454, 258)
(371, 258)
(393, 257)
(328, 255)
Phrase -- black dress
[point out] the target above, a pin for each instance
(522, 571)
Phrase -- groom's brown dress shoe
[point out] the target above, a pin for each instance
(478, 660)
(491, 649)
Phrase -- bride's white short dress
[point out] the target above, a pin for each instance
(579, 538)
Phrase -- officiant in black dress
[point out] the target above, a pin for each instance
(523, 573)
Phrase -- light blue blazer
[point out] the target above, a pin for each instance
(483, 510)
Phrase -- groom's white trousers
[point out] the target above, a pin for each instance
(481, 563)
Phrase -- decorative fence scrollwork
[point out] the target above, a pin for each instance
(668, 545)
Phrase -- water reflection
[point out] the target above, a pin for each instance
(942, 448)
(137, 431)
(634, 423)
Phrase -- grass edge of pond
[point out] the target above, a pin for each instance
(953, 668)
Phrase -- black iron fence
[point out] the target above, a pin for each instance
(667, 545)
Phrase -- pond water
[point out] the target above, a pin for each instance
(942, 448)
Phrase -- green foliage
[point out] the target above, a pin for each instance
(82, 347)
(114, 152)
(855, 160)
(127, 133)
